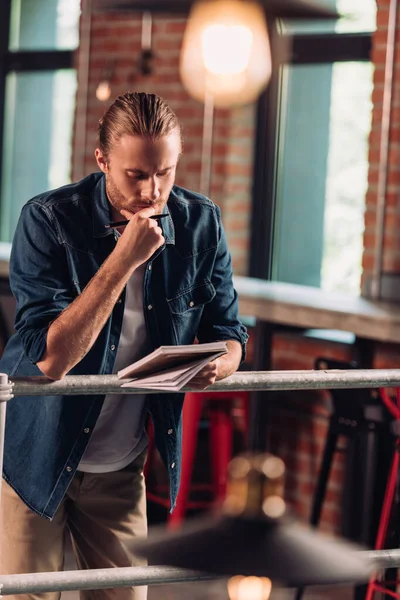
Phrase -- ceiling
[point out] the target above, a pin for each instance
(293, 9)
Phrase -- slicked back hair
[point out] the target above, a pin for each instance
(139, 114)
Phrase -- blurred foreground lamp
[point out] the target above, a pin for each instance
(226, 52)
(103, 90)
(254, 540)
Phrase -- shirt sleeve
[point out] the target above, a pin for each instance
(220, 319)
(38, 277)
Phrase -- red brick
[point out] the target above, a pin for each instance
(368, 261)
(370, 218)
(391, 262)
(175, 26)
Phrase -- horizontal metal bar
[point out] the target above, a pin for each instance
(249, 381)
(96, 579)
(39, 60)
(384, 559)
(330, 48)
(136, 576)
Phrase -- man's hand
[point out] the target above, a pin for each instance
(141, 238)
(85, 317)
(219, 368)
(207, 376)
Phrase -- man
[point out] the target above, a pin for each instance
(91, 300)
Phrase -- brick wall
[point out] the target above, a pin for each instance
(391, 246)
(388, 355)
(300, 422)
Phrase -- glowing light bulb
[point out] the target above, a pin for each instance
(249, 588)
(226, 51)
(103, 91)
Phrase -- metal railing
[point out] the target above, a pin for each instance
(96, 579)
(242, 380)
(110, 384)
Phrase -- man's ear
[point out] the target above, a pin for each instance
(101, 160)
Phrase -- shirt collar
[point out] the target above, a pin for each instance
(102, 214)
(101, 209)
(167, 225)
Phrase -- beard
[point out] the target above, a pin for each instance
(116, 198)
(120, 202)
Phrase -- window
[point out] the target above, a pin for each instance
(311, 179)
(37, 101)
(357, 16)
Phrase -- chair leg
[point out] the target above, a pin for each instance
(190, 423)
(221, 432)
(329, 451)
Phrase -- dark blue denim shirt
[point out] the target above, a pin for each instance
(59, 245)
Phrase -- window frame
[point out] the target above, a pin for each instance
(305, 49)
(18, 61)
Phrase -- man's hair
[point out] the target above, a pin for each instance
(136, 113)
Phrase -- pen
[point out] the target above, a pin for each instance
(121, 223)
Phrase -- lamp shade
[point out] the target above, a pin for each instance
(254, 537)
(287, 9)
(225, 52)
(285, 552)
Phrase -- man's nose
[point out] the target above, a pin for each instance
(150, 191)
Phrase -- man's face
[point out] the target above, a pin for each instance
(140, 172)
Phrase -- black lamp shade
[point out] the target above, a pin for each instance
(287, 9)
(287, 553)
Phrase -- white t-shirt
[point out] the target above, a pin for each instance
(119, 435)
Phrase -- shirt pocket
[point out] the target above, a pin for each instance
(192, 300)
(186, 309)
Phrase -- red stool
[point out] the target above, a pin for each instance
(220, 406)
(375, 585)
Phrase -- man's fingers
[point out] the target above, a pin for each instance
(209, 368)
(147, 212)
(206, 377)
(127, 214)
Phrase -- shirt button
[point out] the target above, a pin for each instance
(119, 301)
(172, 465)
(170, 431)
(191, 303)
(149, 267)
(150, 307)
(69, 469)
(86, 430)
(112, 347)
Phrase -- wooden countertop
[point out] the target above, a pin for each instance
(304, 306)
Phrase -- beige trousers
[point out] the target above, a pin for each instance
(100, 512)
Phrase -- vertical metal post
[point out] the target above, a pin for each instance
(5, 394)
(208, 128)
(3, 408)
